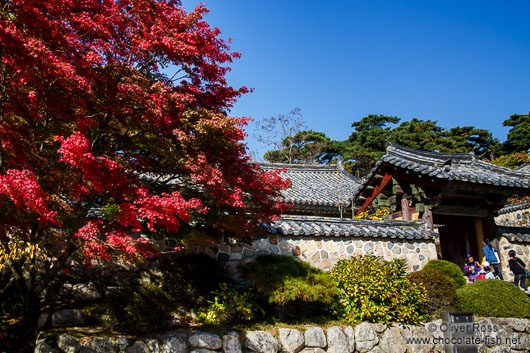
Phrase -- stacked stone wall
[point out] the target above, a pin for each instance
(491, 334)
(522, 251)
(325, 252)
(518, 218)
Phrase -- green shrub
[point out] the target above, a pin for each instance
(294, 289)
(190, 279)
(377, 291)
(493, 297)
(441, 292)
(229, 306)
(450, 269)
(136, 308)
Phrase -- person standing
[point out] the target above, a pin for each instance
(492, 256)
(517, 266)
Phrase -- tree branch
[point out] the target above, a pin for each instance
(51, 273)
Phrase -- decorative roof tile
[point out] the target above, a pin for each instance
(514, 207)
(515, 234)
(322, 185)
(455, 166)
(524, 168)
(449, 166)
(329, 226)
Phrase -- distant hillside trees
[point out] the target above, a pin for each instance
(518, 140)
(367, 142)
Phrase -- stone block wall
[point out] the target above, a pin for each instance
(514, 219)
(503, 335)
(522, 251)
(324, 252)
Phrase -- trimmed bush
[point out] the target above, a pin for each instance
(450, 269)
(190, 279)
(440, 290)
(295, 289)
(229, 306)
(377, 291)
(136, 308)
(494, 297)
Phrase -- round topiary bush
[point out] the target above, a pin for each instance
(136, 308)
(450, 269)
(494, 297)
(377, 291)
(294, 289)
(190, 278)
(441, 292)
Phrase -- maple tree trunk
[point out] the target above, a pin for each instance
(32, 308)
(24, 338)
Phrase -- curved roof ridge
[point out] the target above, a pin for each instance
(461, 167)
(516, 234)
(417, 223)
(434, 155)
(525, 168)
(512, 207)
(354, 228)
(299, 166)
(436, 158)
(309, 167)
(491, 166)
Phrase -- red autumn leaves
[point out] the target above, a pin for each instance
(95, 94)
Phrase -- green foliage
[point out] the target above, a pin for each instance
(375, 215)
(450, 269)
(229, 306)
(518, 135)
(512, 160)
(21, 249)
(377, 291)
(493, 297)
(294, 288)
(189, 279)
(441, 292)
(367, 143)
(419, 134)
(111, 211)
(304, 147)
(136, 308)
(468, 138)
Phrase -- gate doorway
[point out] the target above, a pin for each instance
(458, 238)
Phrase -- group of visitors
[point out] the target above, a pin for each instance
(489, 269)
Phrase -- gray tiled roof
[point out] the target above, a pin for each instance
(514, 207)
(323, 185)
(451, 167)
(524, 168)
(329, 226)
(515, 234)
(457, 166)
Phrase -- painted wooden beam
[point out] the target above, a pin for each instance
(375, 192)
(460, 211)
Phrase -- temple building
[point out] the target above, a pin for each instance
(436, 206)
(439, 206)
(456, 195)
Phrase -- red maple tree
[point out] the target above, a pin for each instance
(99, 141)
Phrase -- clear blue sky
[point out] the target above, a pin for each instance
(457, 62)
